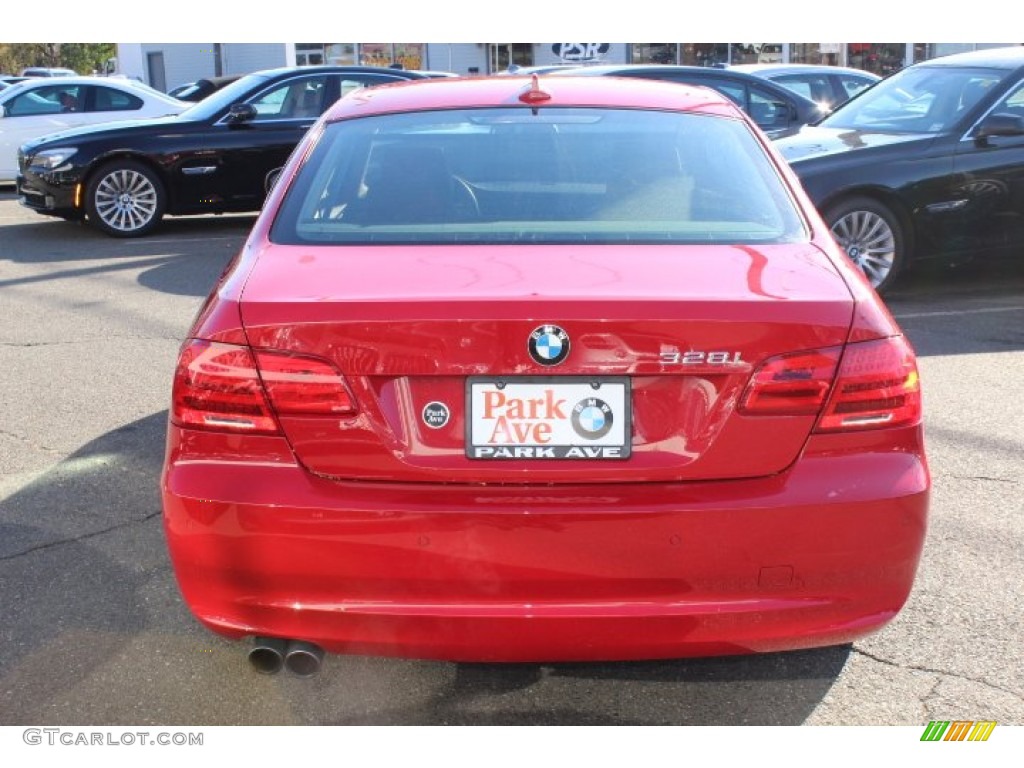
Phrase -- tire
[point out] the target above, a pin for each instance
(125, 198)
(873, 236)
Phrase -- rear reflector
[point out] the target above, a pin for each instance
(216, 386)
(878, 386)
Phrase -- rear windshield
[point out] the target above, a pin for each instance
(508, 176)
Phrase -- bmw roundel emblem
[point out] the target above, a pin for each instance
(549, 345)
(592, 418)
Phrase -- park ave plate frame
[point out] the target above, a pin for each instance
(571, 406)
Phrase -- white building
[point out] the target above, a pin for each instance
(166, 65)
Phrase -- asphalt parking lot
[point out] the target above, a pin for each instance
(94, 631)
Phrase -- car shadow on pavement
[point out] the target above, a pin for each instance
(930, 280)
(71, 601)
(971, 309)
(95, 631)
(185, 259)
(56, 240)
(765, 689)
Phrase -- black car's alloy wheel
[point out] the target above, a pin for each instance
(125, 199)
(872, 236)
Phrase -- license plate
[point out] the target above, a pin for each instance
(567, 417)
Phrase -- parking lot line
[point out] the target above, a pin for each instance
(948, 313)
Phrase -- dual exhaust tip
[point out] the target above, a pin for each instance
(270, 654)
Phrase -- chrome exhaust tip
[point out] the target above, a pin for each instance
(303, 659)
(267, 654)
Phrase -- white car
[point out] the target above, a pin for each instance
(40, 106)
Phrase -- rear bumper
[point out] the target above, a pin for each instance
(819, 555)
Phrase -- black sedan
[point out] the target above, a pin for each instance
(775, 109)
(200, 89)
(928, 163)
(217, 156)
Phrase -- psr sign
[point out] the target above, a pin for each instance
(580, 51)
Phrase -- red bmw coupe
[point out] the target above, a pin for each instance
(542, 369)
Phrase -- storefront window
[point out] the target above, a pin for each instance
(404, 55)
(923, 51)
(815, 53)
(410, 55)
(343, 54)
(504, 55)
(704, 54)
(654, 53)
(755, 53)
(881, 58)
(309, 54)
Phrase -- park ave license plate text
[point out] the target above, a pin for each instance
(548, 418)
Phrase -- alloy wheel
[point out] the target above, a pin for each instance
(126, 200)
(869, 241)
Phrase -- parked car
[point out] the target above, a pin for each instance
(539, 69)
(537, 370)
(38, 107)
(200, 89)
(929, 163)
(215, 157)
(775, 109)
(434, 72)
(826, 86)
(48, 72)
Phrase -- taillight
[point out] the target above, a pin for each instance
(216, 386)
(791, 385)
(877, 386)
(304, 386)
(219, 386)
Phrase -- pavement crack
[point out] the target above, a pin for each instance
(83, 537)
(983, 478)
(26, 441)
(924, 700)
(72, 342)
(934, 671)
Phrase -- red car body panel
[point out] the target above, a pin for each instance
(400, 346)
(816, 556)
(723, 532)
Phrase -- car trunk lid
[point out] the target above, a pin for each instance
(665, 337)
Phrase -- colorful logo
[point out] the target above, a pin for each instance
(548, 345)
(592, 418)
(958, 730)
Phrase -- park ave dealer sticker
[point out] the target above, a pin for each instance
(548, 418)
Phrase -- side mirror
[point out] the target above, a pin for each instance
(1000, 124)
(241, 113)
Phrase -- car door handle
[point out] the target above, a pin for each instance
(199, 170)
